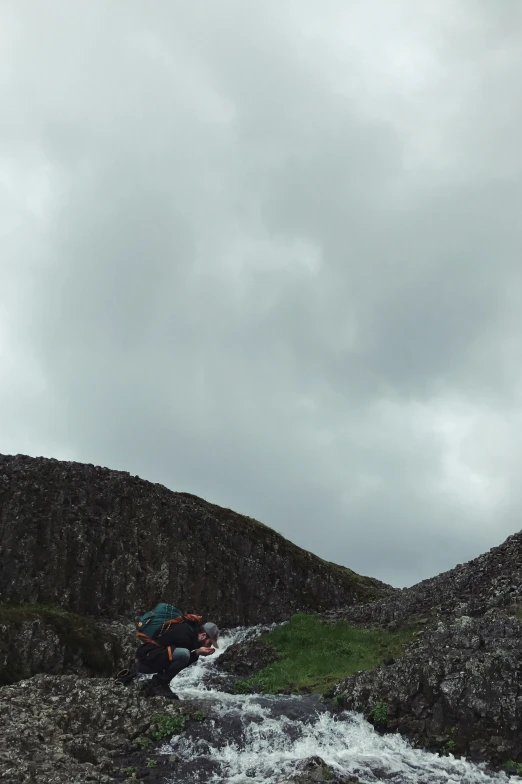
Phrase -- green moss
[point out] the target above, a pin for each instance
(312, 656)
(513, 767)
(166, 726)
(516, 612)
(379, 713)
(81, 637)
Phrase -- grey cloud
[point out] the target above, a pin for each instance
(248, 262)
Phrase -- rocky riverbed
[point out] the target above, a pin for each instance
(66, 729)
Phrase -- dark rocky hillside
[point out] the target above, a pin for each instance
(105, 543)
(494, 579)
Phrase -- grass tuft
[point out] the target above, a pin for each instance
(513, 767)
(167, 726)
(379, 713)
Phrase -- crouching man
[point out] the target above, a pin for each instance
(180, 645)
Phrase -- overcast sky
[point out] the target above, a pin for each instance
(270, 253)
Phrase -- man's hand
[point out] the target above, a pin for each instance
(204, 651)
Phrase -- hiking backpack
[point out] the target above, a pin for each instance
(156, 621)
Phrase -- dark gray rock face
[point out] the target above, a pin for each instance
(102, 542)
(458, 689)
(38, 639)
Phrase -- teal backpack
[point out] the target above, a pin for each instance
(156, 621)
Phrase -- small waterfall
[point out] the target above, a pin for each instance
(261, 739)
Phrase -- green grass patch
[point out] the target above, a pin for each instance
(312, 656)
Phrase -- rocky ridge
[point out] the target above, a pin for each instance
(103, 543)
(494, 579)
(458, 689)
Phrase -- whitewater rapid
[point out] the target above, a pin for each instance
(261, 739)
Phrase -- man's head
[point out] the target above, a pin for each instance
(211, 632)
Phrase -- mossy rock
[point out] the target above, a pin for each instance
(38, 638)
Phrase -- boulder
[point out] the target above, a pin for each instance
(456, 690)
(244, 659)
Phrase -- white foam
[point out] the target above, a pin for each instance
(190, 683)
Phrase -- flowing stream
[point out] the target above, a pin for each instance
(262, 739)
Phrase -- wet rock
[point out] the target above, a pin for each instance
(244, 659)
(315, 769)
(124, 632)
(105, 543)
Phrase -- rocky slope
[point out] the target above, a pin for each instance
(104, 543)
(60, 729)
(459, 687)
(494, 579)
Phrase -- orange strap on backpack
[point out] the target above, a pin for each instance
(143, 638)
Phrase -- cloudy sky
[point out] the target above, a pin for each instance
(270, 254)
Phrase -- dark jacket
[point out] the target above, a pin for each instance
(177, 635)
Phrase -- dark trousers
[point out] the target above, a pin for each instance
(165, 663)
